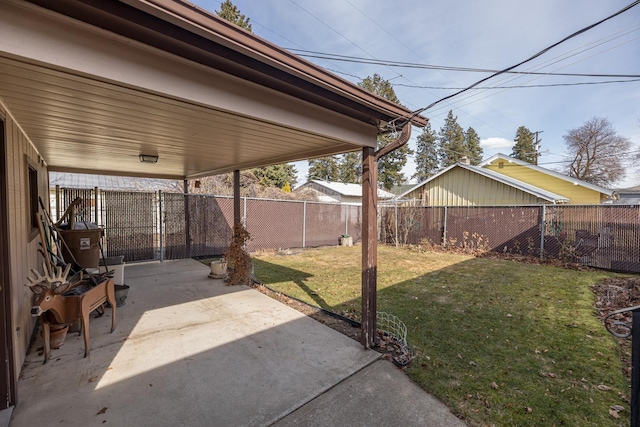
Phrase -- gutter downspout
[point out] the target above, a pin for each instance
(369, 337)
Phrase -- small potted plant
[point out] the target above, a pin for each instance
(218, 269)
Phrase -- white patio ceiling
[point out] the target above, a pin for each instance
(83, 124)
(93, 101)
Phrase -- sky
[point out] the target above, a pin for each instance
(487, 34)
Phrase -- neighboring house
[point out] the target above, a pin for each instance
(401, 189)
(466, 185)
(112, 183)
(339, 192)
(81, 181)
(156, 89)
(628, 196)
(576, 191)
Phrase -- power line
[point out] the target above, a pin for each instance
(521, 86)
(335, 31)
(635, 152)
(551, 61)
(388, 63)
(392, 35)
(543, 51)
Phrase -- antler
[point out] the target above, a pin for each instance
(57, 276)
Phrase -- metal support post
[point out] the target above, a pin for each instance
(244, 213)
(629, 331)
(543, 230)
(346, 219)
(635, 369)
(396, 217)
(57, 202)
(160, 223)
(95, 205)
(304, 224)
(444, 230)
(187, 219)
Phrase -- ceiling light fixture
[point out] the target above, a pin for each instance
(148, 158)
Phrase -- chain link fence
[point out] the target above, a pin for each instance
(602, 236)
(157, 226)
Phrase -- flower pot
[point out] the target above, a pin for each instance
(121, 292)
(346, 241)
(218, 269)
(57, 334)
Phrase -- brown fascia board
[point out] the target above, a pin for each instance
(185, 30)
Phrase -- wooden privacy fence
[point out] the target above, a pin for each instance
(158, 225)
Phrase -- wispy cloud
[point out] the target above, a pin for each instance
(496, 143)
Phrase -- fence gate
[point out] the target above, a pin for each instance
(130, 220)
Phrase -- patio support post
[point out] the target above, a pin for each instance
(236, 197)
(369, 247)
(369, 337)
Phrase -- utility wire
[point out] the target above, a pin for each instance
(551, 61)
(635, 152)
(521, 86)
(388, 63)
(543, 51)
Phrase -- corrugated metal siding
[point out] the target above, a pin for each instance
(576, 194)
(461, 187)
(24, 250)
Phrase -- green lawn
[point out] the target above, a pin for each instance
(501, 343)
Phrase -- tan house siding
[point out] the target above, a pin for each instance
(24, 247)
(461, 187)
(576, 194)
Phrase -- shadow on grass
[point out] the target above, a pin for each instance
(498, 341)
(269, 271)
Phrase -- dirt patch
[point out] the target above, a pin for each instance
(534, 260)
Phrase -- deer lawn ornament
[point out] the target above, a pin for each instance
(49, 290)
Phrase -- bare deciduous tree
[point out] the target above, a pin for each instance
(597, 152)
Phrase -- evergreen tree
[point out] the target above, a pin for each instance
(232, 14)
(472, 146)
(524, 147)
(452, 144)
(276, 175)
(323, 168)
(427, 162)
(390, 166)
(350, 167)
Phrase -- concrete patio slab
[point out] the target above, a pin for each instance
(379, 395)
(187, 351)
